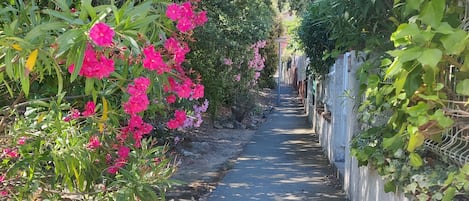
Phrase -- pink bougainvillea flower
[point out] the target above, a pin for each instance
(173, 12)
(94, 142)
(101, 34)
(198, 91)
(89, 109)
(21, 140)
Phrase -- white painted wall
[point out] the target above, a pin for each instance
(360, 183)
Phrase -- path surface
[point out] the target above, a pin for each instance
(282, 162)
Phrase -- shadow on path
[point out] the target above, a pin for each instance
(282, 162)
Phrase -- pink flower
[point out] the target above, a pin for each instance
(140, 86)
(112, 170)
(3, 193)
(136, 104)
(101, 34)
(21, 140)
(123, 152)
(201, 18)
(93, 67)
(185, 24)
(154, 61)
(257, 75)
(173, 12)
(173, 124)
(10, 153)
(89, 109)
(198, 91)
(94, 142)
(186, 10)
(2, 178)
(227, 62)
(171, 99)
(180, 115)
(238, 77)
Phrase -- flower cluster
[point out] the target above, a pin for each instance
(137, 127)
(95, 65)
(121, 161)
(196, 120)
(102, 34)
(185, 16)
(178, 120)
(154, 61)
(185, 89)
(257, 62)
(89, 110)
(138, 100)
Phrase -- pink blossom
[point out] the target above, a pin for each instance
(198, 91)
(257, 75)
(94, 142)
(93, 67)
(185, 24)
(101, 34)
(180, 115)
(89, 109)
(227, 62)
(184, 90)
(171, 99)
(10, 153)
(154, 61)
(123, 152)
(136, 104)
(140, 86)
(201, 18)
(173, 12)
(3, 193)
(2, 178)
(21, 140)
(173, 124)
(186, 10)
(113, 170)
(238, 77)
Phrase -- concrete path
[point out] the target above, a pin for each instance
(282, 162)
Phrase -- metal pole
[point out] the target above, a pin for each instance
(279, 71)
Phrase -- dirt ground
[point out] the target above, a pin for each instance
(204, 155)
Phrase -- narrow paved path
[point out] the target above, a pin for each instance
(282, 162)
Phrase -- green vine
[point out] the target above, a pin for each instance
(415, 82)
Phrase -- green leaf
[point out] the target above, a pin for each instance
(412, 5)
(443, 120)
(390, 187)
(89, 85)
(416, 140)
(449, 194)
(393, 143)
(432, 13)
(455, 43)
(462, 87)
(430, 57)
(415, 160)
(403, 32)
(445, 28)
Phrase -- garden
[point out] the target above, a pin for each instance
(94, 91)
